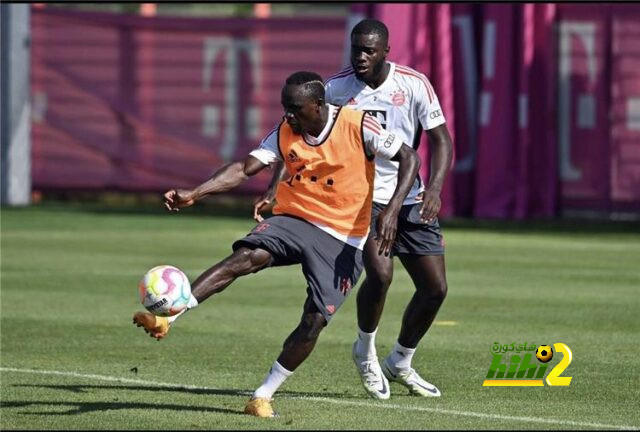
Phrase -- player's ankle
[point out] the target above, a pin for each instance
(400, 357)
(193, 302)
(366, 344)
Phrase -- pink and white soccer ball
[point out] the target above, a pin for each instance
(165, 290)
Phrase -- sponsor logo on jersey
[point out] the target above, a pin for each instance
(389, 140)
(398, 98)
(380, 115)
(435, 114)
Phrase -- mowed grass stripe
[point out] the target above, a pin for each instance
(333, 401)
(69, 282)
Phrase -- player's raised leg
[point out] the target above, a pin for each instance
(428, 275)
(213, 281)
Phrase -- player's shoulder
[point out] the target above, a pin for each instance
(415, 82)
(410, 76)
(344, 77)
(274, 133)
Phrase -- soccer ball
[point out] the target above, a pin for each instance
(164, 290)
(544, 353)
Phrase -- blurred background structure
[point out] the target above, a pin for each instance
(542, 100)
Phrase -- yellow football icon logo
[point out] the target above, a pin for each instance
(544, 353)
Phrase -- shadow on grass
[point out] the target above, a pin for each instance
(88, 407)
(80, 388)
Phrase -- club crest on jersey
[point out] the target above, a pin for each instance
(293, 157)
(398, 98)
(261, 227)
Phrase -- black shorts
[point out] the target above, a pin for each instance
(412, 237)
(331, 267)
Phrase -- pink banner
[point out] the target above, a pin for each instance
(496, 180)
(541, 156)
(465, 84)
(583, 123)
(545, 99)
(625, 108)
(133, 103)
(516, 172)
(488, 87)
(542, 100)
(599, 118)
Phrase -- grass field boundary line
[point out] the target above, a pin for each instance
(110, 378)
(472, 414)
(332, 401)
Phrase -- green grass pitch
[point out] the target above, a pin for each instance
(72, 359)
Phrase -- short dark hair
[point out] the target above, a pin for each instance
(371, 26)
(312, 82)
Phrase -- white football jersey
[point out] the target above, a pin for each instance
(405, 104)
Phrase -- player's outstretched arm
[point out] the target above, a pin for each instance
(279, 174)
(441, 155)
(224, 179)
(388, 219)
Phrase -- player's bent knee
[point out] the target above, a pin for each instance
(441, 291)
(379, 280)
(379, 271)
(311, 326)
(431, 293)
(436, 293)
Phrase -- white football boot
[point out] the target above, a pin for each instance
(373, 380)
(410, 379)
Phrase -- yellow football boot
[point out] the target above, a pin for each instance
(155, 326)
(259, 407)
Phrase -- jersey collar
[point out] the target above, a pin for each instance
(368, 90)
(314, 141)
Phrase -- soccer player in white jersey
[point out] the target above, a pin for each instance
(404, 102)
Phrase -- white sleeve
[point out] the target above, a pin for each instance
(427, 104)
(268, 150)
(377, 140)
(328, 92)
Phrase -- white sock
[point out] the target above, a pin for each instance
(193, 302)
(366, 344)
(400, 357)
(276, 376)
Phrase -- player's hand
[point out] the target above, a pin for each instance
(175, 199)
(260, 204)
(386, 227)
(430, 205)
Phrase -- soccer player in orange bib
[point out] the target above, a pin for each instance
(405, 103)
(322, 219)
